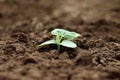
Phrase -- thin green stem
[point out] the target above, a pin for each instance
(58, 41)
(58, 47)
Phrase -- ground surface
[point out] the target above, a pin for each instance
(23, 25)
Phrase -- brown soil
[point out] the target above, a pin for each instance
(24, 25)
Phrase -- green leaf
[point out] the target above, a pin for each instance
(48, 42)
(66, 34)
(71, 35)
(68, 43)
(56, 31)
(75, 34)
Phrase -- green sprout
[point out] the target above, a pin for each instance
(63, 37)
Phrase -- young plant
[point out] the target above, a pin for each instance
(63, 37)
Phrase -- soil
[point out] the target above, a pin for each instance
(24, 25)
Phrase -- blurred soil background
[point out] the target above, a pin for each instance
(26, 23)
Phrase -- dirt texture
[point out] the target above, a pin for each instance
(24, 24)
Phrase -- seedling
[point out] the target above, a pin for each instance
(63, 37)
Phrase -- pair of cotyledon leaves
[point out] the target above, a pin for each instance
(66, 35)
